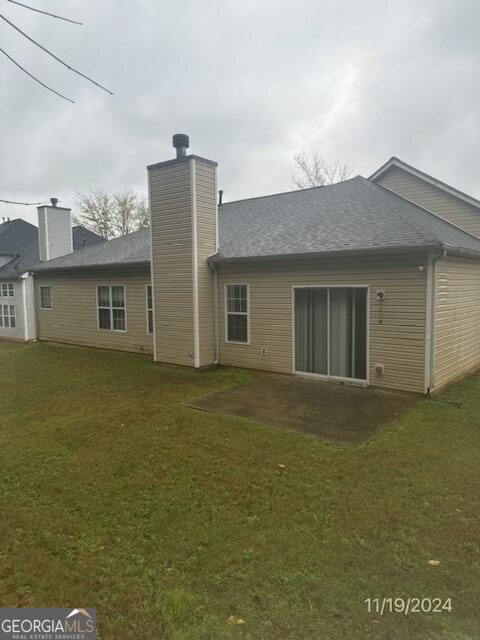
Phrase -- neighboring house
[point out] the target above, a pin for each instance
(21, 245)
(369, 281)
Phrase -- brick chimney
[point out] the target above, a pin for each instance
(183, 212)
(54, 231)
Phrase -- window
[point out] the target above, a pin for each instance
(7, 316)
(149, 309)
(111, 308)
(45, 297)
(237, 310)
(7, 290)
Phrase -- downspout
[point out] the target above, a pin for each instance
(216, 343)
(430, 321)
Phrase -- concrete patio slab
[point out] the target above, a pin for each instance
(340, 413)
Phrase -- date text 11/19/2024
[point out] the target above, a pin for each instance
(382, 606)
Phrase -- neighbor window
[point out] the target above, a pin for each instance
(7, 316)
(111, 308)
(7, 290)
(149, 309)
(236, 316)
(45, 297)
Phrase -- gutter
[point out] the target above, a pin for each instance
(87, 267)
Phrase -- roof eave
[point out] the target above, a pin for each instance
(86, 267)
(344, 253)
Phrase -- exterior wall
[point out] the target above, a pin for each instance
(398, 341)
(205, 191)
(432, 198)
(457, 319)
(73, 317)
(19, 332)
(183, 227)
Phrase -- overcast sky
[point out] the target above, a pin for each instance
(251, 82)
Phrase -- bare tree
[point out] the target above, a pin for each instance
(316, 171)
(112, 214)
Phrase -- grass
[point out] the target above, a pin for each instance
(169, 520)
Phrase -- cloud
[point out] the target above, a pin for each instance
(252, 83)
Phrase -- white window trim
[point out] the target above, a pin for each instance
(225, 302)
(149, 333)
(45, 286)
(9, 316)
(111, 308)
(8, 296)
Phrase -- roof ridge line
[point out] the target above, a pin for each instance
(286, 193)
(413, 226)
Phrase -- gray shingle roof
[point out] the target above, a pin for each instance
(354, 215)
(20, 239)
(351, 216)
(131, 249)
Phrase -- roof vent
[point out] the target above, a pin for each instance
(181, 142)
(54, 202)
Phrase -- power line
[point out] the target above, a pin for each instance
(34, 78)
(52, 15)
(25, 204)
(55, 57)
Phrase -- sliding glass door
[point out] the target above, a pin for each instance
(331, 331)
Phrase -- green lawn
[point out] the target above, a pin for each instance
(168, 520)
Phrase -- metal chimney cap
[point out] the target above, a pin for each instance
(181, 140)
(54, 202)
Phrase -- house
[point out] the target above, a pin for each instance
(21, 245)
(368, 281)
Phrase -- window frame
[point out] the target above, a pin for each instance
(10, 287)
(149, 309)
(237, 313)
(9, 315)
(49, 287)
(111, 307)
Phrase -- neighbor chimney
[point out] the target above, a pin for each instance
(181, 142)
(54, 231)
(220, 197)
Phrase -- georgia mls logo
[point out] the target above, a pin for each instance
(48, 624)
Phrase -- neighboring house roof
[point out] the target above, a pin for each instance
(83, 237)
(20, 240)
(16, 236)
(354, 216)
(133, 248)
(396, 162)
(351, 216)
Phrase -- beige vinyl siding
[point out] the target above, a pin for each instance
(433, 198)
(457, 319)
(397, 332)
(183, 210)
(18, 333)
(73, 317)
(171, 207)
(205, 190)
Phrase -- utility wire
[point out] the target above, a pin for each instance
(36, 80)
(55, 57)
(25, 204)
(52, 15)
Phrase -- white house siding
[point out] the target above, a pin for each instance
(397, 330)
(18, 333)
